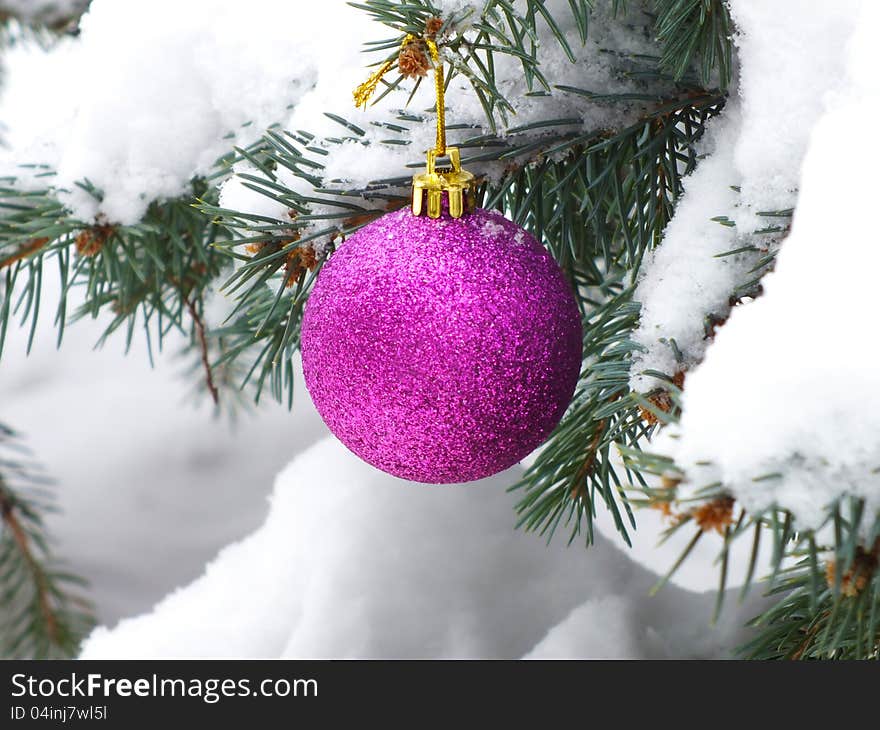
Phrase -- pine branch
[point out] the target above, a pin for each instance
(599, 199)
(149, 275)
(627, 206)
(826, 596)
(42, 611)
(828, 604)
(574, 469)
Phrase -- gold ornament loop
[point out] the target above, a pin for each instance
(440, 91)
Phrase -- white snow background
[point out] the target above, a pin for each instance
(343, 560)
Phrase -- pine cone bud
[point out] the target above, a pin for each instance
(433, 26)
(90, 241)
(715, 515)
(301, 259)
(413, 61)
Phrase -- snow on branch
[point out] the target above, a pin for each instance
(790, 390)
(723, 233)
(783, 411)
(151, 94)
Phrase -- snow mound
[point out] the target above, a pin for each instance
(354, 563)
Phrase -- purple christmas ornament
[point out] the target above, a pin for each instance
(441, 350)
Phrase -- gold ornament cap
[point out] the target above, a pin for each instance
(459, 185)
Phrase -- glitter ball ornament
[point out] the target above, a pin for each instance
(441, 349)
(441, 343)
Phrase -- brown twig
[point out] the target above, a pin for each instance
(19, 537)
(811, 634)
(26, 250)
(203, 343)
(590, 461)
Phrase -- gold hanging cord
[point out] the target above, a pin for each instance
(458, 184)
